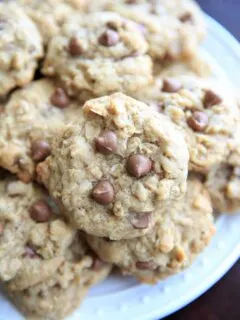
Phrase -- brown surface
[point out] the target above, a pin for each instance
(221, 302)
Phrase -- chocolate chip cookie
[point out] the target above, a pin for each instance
(99, 53)
(113, 168)
(32, 236)
(197, 66)
(223, 181)
(173, 29)
(49, 15)
(27, 123)
(60, 294)
(20, 48)
(206, 112)
(183, 230)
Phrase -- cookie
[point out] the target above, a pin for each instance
(223, 181)
(183, 230)
(197, 66)
(32, 236)
(27, 123)
(20, 48)
(173, 29)
(113, 168)
(60, 294)
(99, 53)
(49, 15)
(206, 112)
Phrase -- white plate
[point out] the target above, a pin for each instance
(126, 299)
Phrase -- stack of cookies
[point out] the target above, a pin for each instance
(116, 147)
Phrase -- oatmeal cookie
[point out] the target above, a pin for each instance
(110, 170)
(20, 48)
(27, 123)
(223, 181)
(33, 238)
(206, 112)
(60, 294)
(99, 53)
(173, 29)
(49, 15)
(183, 230)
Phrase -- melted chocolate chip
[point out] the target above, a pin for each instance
(138, 165)
(112, 25)
(103, 192)
(141, 220)
(171, 85)
(40, 150)
(106, 142)
(109, 38)
(211, 99)
(75, 47)
(40, 211)
(60, 99)
(198, 121)
(186, 17)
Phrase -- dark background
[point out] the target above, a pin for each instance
(227, 12)
(221, 302)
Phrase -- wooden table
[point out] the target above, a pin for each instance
(221, 302)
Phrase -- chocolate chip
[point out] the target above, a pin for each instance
(29, 252)
(40, 149)
(1, 228)
(60, 99)
(109, 38)
(131, 1)
(75, 47)
(198, 121)
(186, 17)
(106, 142)
(211, 99)
(40, 211)
(97, 264)
(171, 85)
(112, 25)
(140, 220)
(168, 57)
(146, 265)
(103, 192)
(138, 166)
